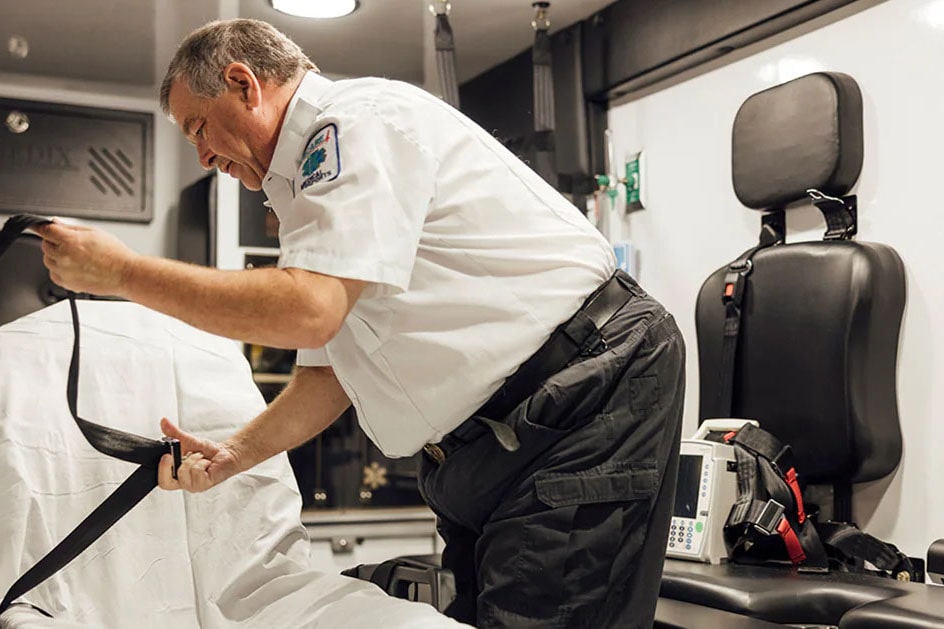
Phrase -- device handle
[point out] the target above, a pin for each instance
(722, 424)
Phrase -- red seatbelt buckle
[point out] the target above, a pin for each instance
(734, 282)
(173, 448)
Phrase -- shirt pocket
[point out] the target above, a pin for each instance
(610, 482)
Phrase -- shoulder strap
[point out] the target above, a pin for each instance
(732, 296)
(123, 445)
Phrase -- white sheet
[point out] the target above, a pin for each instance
(236, 556)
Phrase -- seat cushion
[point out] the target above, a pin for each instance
(777, 594)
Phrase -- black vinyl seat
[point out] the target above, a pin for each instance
(25, 285)
(816, 355)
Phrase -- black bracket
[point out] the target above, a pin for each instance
(773, 228)
(840, 213)
(173, 448)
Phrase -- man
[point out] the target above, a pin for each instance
(465, 308)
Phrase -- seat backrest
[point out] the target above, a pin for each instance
(25, 285)
(817, 351)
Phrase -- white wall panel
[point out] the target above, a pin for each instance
(694, 223)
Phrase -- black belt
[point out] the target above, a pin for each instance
(566, 343)
(123, 445)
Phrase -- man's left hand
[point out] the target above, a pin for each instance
(84, 259)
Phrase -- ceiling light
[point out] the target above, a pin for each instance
(315, 8)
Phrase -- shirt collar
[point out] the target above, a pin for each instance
(298, 119)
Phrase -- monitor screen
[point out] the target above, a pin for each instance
(689, 479)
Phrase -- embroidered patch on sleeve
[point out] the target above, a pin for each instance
(321, 160)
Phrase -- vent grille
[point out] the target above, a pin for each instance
(111, 171)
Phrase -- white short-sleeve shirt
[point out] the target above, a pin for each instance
(471, 258)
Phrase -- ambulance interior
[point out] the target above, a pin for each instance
(763, 168)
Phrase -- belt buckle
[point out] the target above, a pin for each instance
(435, 452)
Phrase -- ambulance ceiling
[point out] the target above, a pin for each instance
(117, 41)
(385, 37)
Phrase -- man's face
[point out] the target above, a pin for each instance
(223, 130)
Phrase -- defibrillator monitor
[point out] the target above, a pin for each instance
(705, 491)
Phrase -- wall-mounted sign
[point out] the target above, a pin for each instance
(66, 160)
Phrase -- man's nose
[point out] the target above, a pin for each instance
(206, 158)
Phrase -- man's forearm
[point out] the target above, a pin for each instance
(263, 306)
(310, 403)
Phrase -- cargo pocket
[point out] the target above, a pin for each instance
(610, 482)
(607, 511)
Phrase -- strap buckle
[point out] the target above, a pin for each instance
(173, 448)
(541, 21)
(734, 281)
(840, 214)
(769, 518)
(440, 7)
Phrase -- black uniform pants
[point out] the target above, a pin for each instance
(570, 530)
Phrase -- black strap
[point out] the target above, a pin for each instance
(445, 53)
(564, 344)
(772, 233)
(851, 546)
(122, 445)
(767, 506)
(762, 443)
(545, 160)
(732, 296)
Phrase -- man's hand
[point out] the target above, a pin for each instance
(204, 465)
(85, 260)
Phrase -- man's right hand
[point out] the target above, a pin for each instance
(84, 259)
(205, 463)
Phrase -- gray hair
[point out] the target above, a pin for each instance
(200, 59)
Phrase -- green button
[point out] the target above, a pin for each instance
(698, 527)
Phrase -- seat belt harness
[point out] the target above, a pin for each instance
(126, 446)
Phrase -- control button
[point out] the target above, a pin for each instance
(703, 513)
(699, 526)
(671, 544)
(703, 494)
(688, 546)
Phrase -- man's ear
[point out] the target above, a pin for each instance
(241, 79)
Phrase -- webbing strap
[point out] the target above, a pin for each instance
(859, 545)
(545, 160)
(445, 53)
(119, 444)
(762, 443)
(769, 501)
(735, 284)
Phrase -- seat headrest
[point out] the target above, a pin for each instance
(806, 133)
